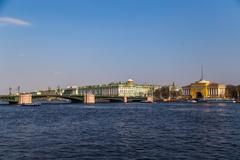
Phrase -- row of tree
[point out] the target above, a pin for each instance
(167, 92)
(233, 91)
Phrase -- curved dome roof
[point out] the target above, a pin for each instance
(130, 80)
(203, 81)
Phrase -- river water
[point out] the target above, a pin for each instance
(120, 131)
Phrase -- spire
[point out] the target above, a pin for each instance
(201, 72)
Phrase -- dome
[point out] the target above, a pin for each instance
(203, 81)
(130, 80)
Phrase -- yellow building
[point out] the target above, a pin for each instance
(204, 89)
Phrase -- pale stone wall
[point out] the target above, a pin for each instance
(150, 99)
(25, 99)
(125, 99)
(89, 98)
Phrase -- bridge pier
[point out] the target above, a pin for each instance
(89, 99)
(25, 99)
(150, 99)
(125, 99)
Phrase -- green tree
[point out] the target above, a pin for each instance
(231, 91)
(238, 92)
(165, 92)
(157, 94)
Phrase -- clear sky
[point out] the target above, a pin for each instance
(77, 42)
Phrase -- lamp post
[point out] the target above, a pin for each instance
(10, 91)
(18, 89)
(238, 93)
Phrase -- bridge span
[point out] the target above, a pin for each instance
(87, 99)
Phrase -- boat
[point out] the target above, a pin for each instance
(147, 102)
(193, 101)
(216, 100)
(30, 105)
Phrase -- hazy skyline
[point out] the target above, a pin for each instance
(78, 42)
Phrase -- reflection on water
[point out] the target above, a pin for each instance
(120, 131)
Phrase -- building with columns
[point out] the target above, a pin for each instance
(119, 89)
(204, 89)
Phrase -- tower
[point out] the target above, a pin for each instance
(18, 89)
(201, 73)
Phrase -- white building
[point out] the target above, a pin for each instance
(121, 89)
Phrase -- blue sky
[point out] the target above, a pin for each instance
(77, 42)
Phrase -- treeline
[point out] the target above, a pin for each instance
(167, 92)
(233, 91)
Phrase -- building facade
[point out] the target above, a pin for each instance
(69, 91)
(120, 89)
(204, 89)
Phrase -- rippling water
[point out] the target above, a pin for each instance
(120, 131)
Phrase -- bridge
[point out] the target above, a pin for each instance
(12, 99)
(87, 99)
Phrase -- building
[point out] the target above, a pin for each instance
(204, 89)
(69, 91)
(47, 92)
(120, 89)
(36, 93)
